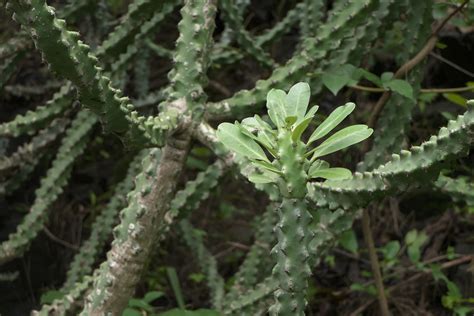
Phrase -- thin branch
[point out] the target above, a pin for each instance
(426, 90)
(59, 240)
(415, 277)
(374, 263)
(450, 63)
(409, 65)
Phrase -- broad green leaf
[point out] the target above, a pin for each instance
(336, 117)
(231, 136)
(262, 178)
(401, 87)
(332, 174)
(276, 105)
(297, 99)
(456, 99)
(348, 241)
(300, 128)
(336, 79)
(344, 138)
(318, 165)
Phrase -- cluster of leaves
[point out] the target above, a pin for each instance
(254, 136)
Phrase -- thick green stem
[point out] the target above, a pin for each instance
(292, 250)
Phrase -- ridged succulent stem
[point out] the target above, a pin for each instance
(141, 226)
(292, 250)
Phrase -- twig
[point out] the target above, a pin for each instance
(453, 65)
(374, 263)
(409, 65)
(415, 277)
(427, 90)
(59, 241)
(350, 255)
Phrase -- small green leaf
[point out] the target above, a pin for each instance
(264, 141)
(264, 132)
(174, 280)
(456, 99)
(318, 165)
(336, 79)
(266, 166)
(290, 120)
(415, 241)
(437, 273)
(297, 99)
(251, 123)
(335, 83)
(359, 73)
(441, 45)
(370, 289)
(332, 174)
(386, 77)
(264, 125)
(261, 178)
(344, 138)
(152, 295)
(231, 136)
(348, 241)
(197, 277)
(401, 87)
(49, 296)
(300, 128)
(391, 249)
(276, 105)
(410, 237)
(312, 111)
(183, 312)
(139, 303)
(336, 117)
(131, 312)
(269, 142)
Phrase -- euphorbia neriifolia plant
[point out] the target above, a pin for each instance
(284, 157)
